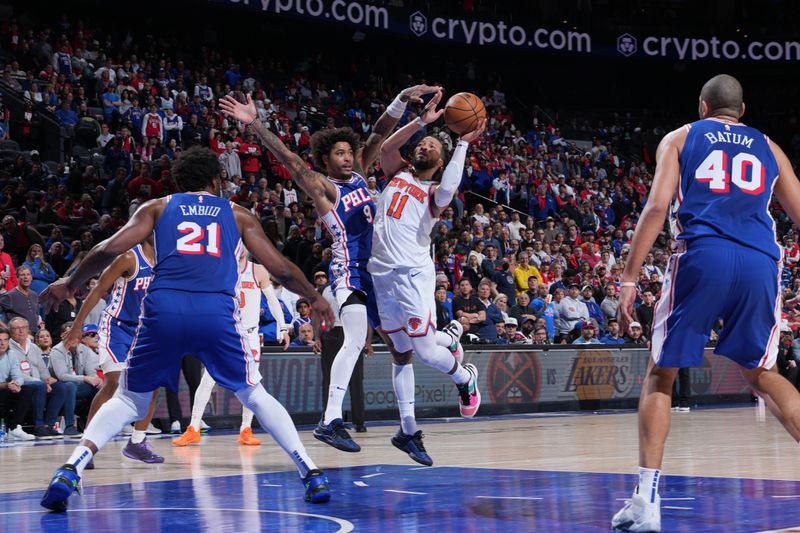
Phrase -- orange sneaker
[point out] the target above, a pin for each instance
(190, 436)
(246, 437)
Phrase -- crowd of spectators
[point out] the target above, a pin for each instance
(530, 251)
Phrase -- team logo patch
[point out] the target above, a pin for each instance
(513, 377)
(414, 322)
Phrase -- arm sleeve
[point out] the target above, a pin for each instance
(275, 308)
(451, 178)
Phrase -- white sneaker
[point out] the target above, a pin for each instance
(684, 409)
(19, 434)
(638, 515)
(455, 330)
(152, 430)
(203, 426)
(127, 430)
(175, 427)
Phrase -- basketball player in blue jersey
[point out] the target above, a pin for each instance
(715, 178)
(127, 279)
(345, 206)
(190, 308)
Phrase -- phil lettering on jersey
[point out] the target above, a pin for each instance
(410, 188)
(355, 199)
(729, 137)
(142, 283)
(200, 210)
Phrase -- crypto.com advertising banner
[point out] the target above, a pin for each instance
(370, 18)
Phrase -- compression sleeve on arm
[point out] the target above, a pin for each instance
(275, 308)
(451, 178)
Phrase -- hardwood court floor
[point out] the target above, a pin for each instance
(516, 461)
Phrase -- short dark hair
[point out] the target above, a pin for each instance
(5, 330)
(323, 141)
(196, 169)
(723, 94)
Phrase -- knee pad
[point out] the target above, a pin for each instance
(402, 358)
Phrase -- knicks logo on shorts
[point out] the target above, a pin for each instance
(414, 323)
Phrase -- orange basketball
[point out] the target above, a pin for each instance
(463, 112)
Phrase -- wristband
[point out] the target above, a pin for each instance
(628, 284)
(421, 123)
(396, 108)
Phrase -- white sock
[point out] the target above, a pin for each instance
(80, 458)
(137, 437)
(247, 418)
(201, 397)
(648, 483)
(355, 324)
(439, 357)
(444, 339)
(276, 421)
(403, 381)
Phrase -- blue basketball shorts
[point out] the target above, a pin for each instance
(179, 323)
(717, 279)
(356, 279)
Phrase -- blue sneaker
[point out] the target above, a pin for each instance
(317, 489)
(65, 481)
(412, 445)
(336, 435)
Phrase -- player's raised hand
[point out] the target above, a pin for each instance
(54, 294)
(627, 295)
(474, 134)
(430, 114)
(244, 112)
(413, 94)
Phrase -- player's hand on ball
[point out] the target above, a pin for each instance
(430, 114)
(243, 112)
(54, 294)
(413, 94)
(474, 134)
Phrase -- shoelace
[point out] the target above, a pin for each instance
(341, 432)
(418, 443)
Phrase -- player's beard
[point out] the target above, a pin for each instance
(421, 164)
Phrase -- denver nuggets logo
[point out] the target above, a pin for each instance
(414, 322)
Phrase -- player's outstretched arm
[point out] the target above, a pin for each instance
(387, 121)
(262, 276)
(122, 265)
(313, 183)
(391, 160)
(137, 229)
(279, 266)
(651, 221)
(444, 192)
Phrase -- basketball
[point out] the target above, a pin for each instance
(463, 112)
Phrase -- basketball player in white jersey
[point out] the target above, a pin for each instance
(253, 282)
(403, 272)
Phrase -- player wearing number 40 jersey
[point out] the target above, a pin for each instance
(716, 178)
(190, 308)
(402, 268)
(345, 206)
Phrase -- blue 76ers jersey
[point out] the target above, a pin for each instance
(350, 225)
(728, 172)
(125, 303)
(197, 245)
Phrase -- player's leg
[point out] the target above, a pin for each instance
(681, 323)
(780, 395)
(201, 397)
(228, 358)
(106, 392)
(138, 448)
(353, 314)
(246, 436)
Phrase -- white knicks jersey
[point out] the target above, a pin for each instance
(249, 297)
(401, 236)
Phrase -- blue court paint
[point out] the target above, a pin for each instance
(409, 498)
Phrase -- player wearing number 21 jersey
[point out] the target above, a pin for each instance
(191, 307)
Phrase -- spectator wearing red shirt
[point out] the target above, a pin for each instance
(86, 211)
(165, 185)
(8, 274)
(142, 182)
(250, 155)
(152, 125)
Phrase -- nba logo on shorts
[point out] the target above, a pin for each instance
(414, 322)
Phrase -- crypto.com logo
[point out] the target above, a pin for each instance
(626, 44)
(418, 23)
